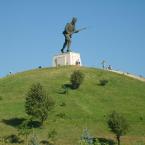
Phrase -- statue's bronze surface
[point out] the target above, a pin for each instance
(68, 32)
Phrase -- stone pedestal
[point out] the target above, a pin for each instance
(68, 58)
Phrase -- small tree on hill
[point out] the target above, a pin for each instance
(38, 103)
(76, 79)
(118, 125)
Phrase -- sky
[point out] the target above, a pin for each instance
(31, 33)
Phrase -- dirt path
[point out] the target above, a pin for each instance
(129, 75)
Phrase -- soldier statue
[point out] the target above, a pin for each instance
(68, 31)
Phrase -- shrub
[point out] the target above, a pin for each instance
(103, 82)
(12, 139)
(38, 103)
(76, 79)
(118, 125)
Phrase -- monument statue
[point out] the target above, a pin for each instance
(68, 32)
(71, 58)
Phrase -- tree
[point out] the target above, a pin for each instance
(38, 103)
(118, 125)
(76, 79)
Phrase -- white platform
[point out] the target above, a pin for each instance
(68, 58)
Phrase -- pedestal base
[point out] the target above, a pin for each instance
(69, 58)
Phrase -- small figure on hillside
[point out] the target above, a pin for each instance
(10, 73)
(78, 62)
(103, 64)
(69, 30)
(109, 67)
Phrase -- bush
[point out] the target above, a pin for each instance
(12, 139)
(38, 103)
(118, 125)
(76, 79)
(103, 82)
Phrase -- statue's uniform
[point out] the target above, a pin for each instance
(69, 30)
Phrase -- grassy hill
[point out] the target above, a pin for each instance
(86, 107)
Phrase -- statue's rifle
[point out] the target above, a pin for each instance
(80, 30)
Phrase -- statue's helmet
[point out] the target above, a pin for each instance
(74, 19)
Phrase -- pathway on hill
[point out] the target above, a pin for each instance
(129, 75)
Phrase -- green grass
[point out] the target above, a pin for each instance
(87, 106)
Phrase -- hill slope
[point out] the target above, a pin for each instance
(86, 107)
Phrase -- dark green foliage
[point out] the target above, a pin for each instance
(66, 88)
(118, 125)
(103, 82)
(61, 115)
(76, 79)
(24, 130)
(15, 122)
(45, 142)
(105, 141)
(37, 103)
(63, 104)
(141, 118)
(12, 139)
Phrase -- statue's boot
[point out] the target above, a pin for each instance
(62, 51)
(68, 50)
